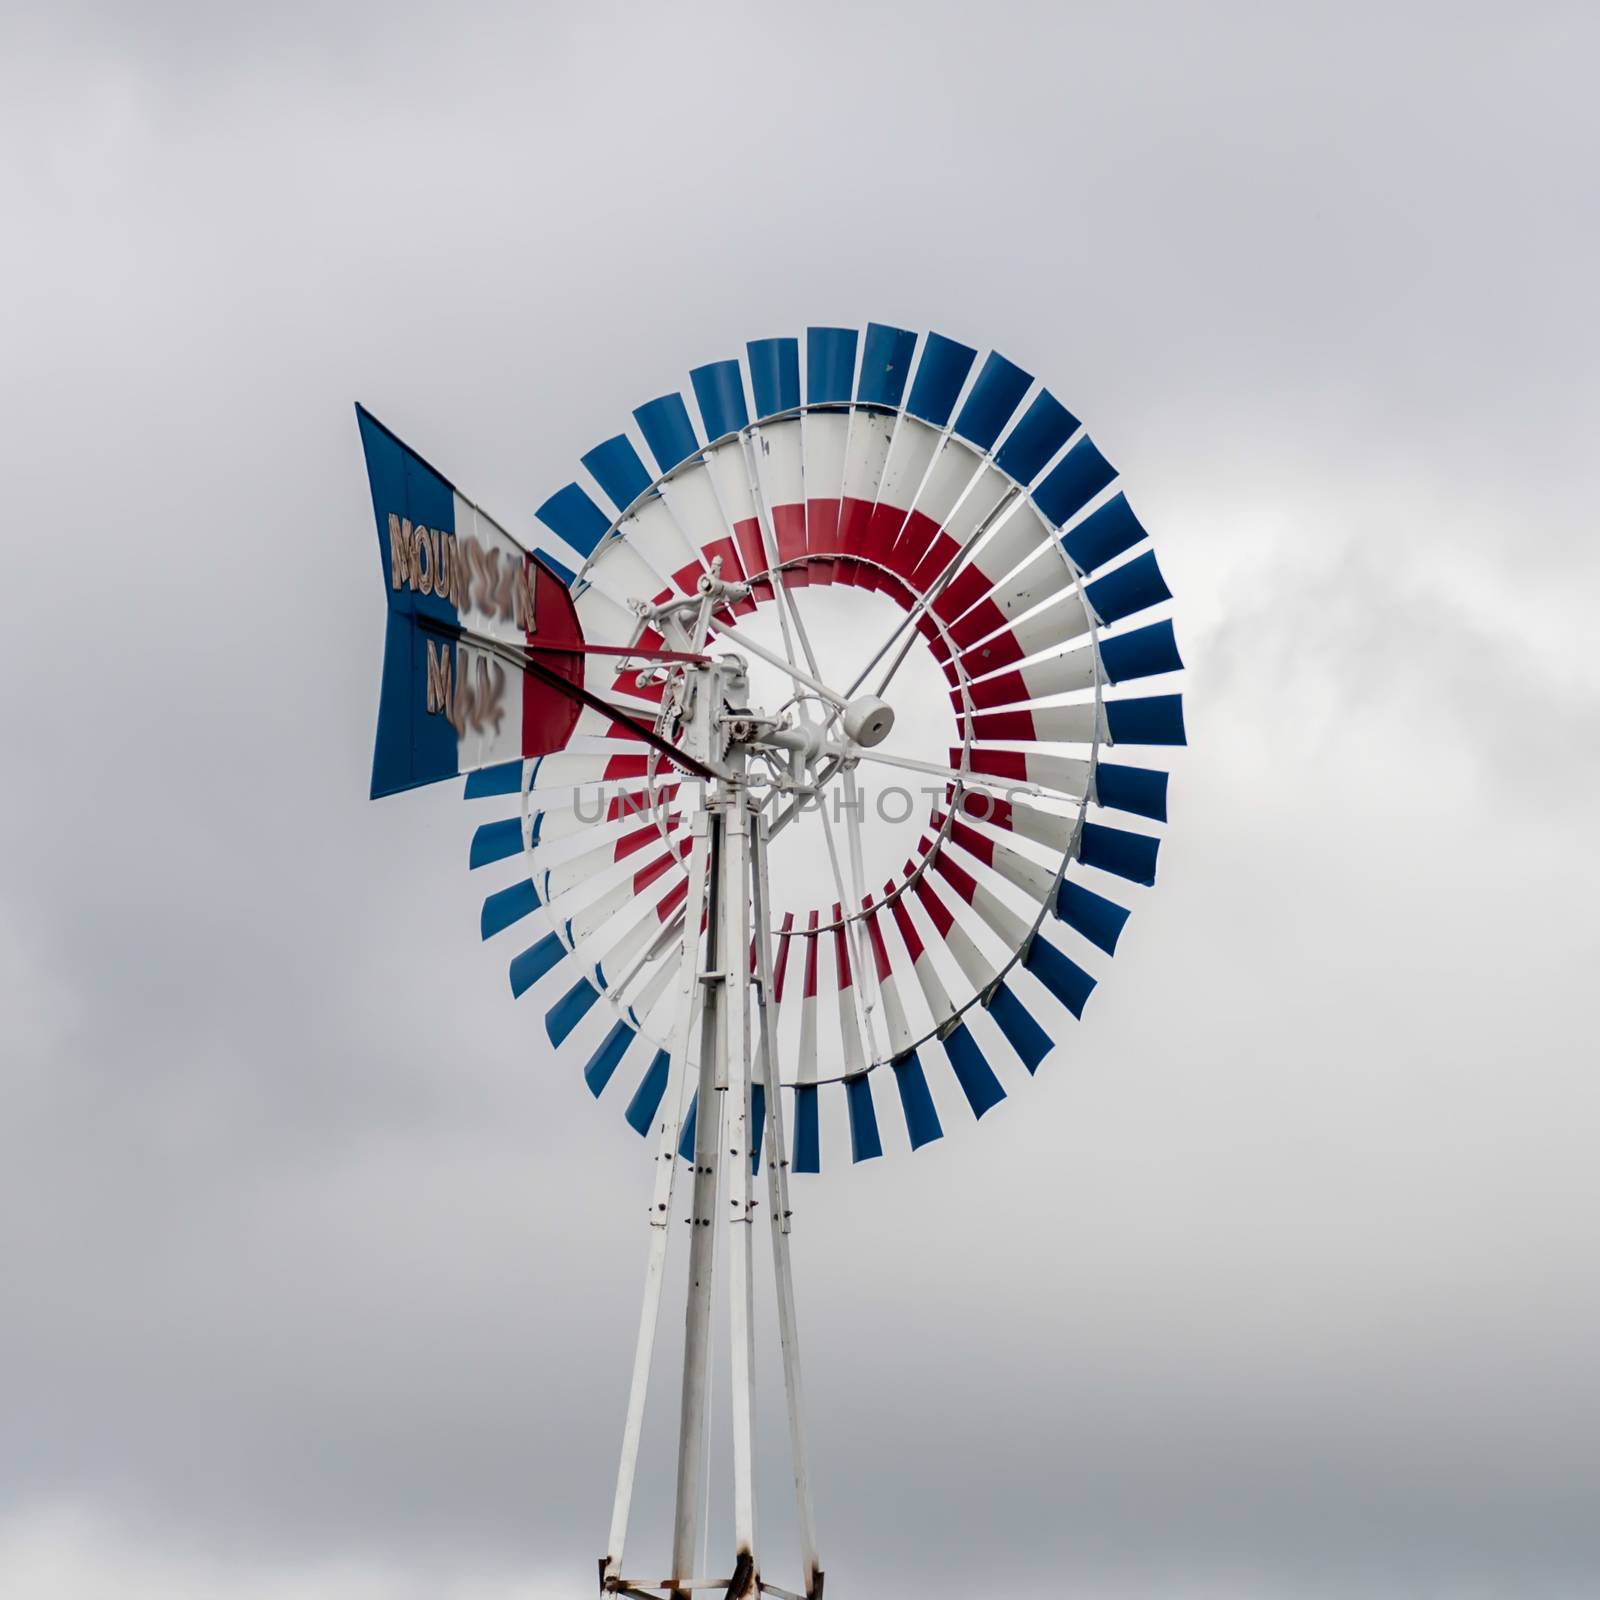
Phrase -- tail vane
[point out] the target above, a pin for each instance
(472, 669)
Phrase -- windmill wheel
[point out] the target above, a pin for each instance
(1008, 558)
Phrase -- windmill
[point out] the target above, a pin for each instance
(603, 696)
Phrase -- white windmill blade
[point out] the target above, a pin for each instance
(901, 1038)
(1011, 930)
(1084, 723)
(1144, 652)
(872, 434)
(646, 842)
(911, 452)
(1056, 623)
(941, 1008)
(1067, 776)
(564, 813)
(806, 1060)
(1034, 880)
(845, 995)
(1016, 537)
(778, 451)
(728, 468)
(976, 967)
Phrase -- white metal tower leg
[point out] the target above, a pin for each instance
(778, 1204)
(739, 1204)
(673, 1105)
(703, 1219)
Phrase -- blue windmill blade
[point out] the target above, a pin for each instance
(973, 1072)
(1041, 431)
(496, 841)
(885, 365)
(529, 967)
(1145, 652)
(1073, 482)
(573, 517)
(570, 1010)
(616, 467)
(1060, 974)
(506, 906)
(1153, 719)
(1135, 586)
(667, 430)
(603, 1063)
(1142, 791)
(646, 1099)
(1120, 851)
(1098, 919)
(719, 393)
(774, 375)
(807, 1138)
(865, 1142)
(941, 372)
(997, 393)
(488, 782)
(1022, 1030)
(916, 1103)
(1103, 535)
(830, 365)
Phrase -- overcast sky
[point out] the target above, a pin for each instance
(318, 1276)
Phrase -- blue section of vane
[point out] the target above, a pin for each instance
(916, 1102)
(830, 365)
(940, 373)
(1139, 790)
(807, 1150)
(997, 393)
(487, 782)
(1018, 1024)
(1060, 974)
(1104, 534)
(500, 910)
(618, 470)
(1119, 850)
(1045, 426)
(495, 841)
(1151, 719)
(570, 1010)
(571, 515)
(1099, 920)
(1129, 589)
(647, 1097)
(1073, 482)
(774, 375)
(529, 967)
(885, 365)
(719, 392)
(601, 1065)
(864, 1140)
(667, 430)
(1141, 653)
(411, 747)
(972, 1070)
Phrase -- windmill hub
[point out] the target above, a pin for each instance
(868, 721)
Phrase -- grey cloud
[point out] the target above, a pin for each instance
(1279, 1279)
